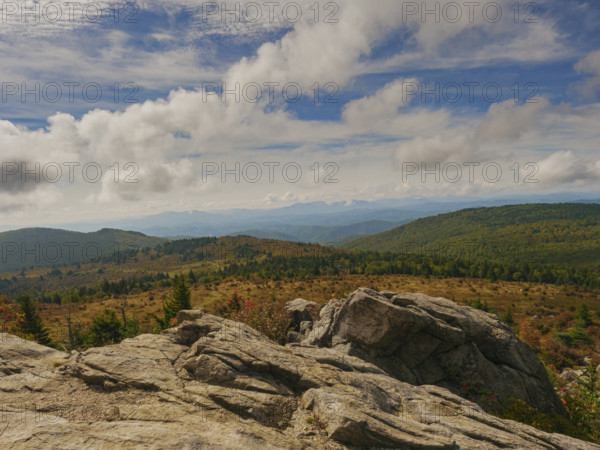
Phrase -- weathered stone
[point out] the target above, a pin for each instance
(305, 327)
(571, 374)
(192, 315)
(213, 383)
(299, 311)
(19, 355)
(426, 340)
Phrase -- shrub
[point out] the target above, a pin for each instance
(529, 335)
(558, 355)
(564, 339)
(266, 317)
(564, 319)
(105, 329)
(574, 337)
(10, 316)
(518, 410)
(583, 405)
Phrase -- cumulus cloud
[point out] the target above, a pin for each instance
(15, 180)
(508, 134)
(169, 138)
(321, 52)
(380, 106)
(567, 167)
(504, 122)
(458, 35)
(435, 149)
(590, 65)
(509, 121)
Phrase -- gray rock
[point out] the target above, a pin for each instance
(305, 327)
(424, 340)
(321, 331)
(19, 355)
(571, 374)
(293, 337)
(213, 383)
(299, 311)
(192, 315)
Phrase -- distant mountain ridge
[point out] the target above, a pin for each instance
(566, 234)
(47, 247)
(561, 234)
(285, 222)
(321, 234)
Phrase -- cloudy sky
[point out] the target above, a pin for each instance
(114, 110)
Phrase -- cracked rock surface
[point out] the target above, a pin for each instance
(214, 383)
(424, 340)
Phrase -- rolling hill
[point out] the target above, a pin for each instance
(330, 236)
(565, 234)
(47, 247)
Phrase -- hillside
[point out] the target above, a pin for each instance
(47, 247)
(558, 234)
(321, 234)
(208, 256)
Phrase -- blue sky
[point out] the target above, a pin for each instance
(157, 127)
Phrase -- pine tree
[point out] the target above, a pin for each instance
(507, 317)
(582, 316)
(105, 329)
(180, 301)
(192, 277)
(32, 324)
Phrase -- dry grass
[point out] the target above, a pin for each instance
(525, 299)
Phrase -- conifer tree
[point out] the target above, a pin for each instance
(180, 301)
(32, 324)
(582, 316)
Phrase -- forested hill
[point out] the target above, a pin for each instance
(565, 234)
(47, 247)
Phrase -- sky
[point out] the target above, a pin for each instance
(112, 110)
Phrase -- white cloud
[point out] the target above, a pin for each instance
(382, 105)
(566, 167)
(509, 121)
(170, 138)
(435, 149)
(321, 52)
(590, 65)
(476, 39)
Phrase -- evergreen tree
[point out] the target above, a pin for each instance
(507, 317)
(582, 316)
(180, 301)
(105, 329)
(192, 277)
(32, 324)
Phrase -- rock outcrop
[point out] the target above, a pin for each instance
(214, 383)
(424, 340)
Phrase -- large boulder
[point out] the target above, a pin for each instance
(214, 383)
(433, 341)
